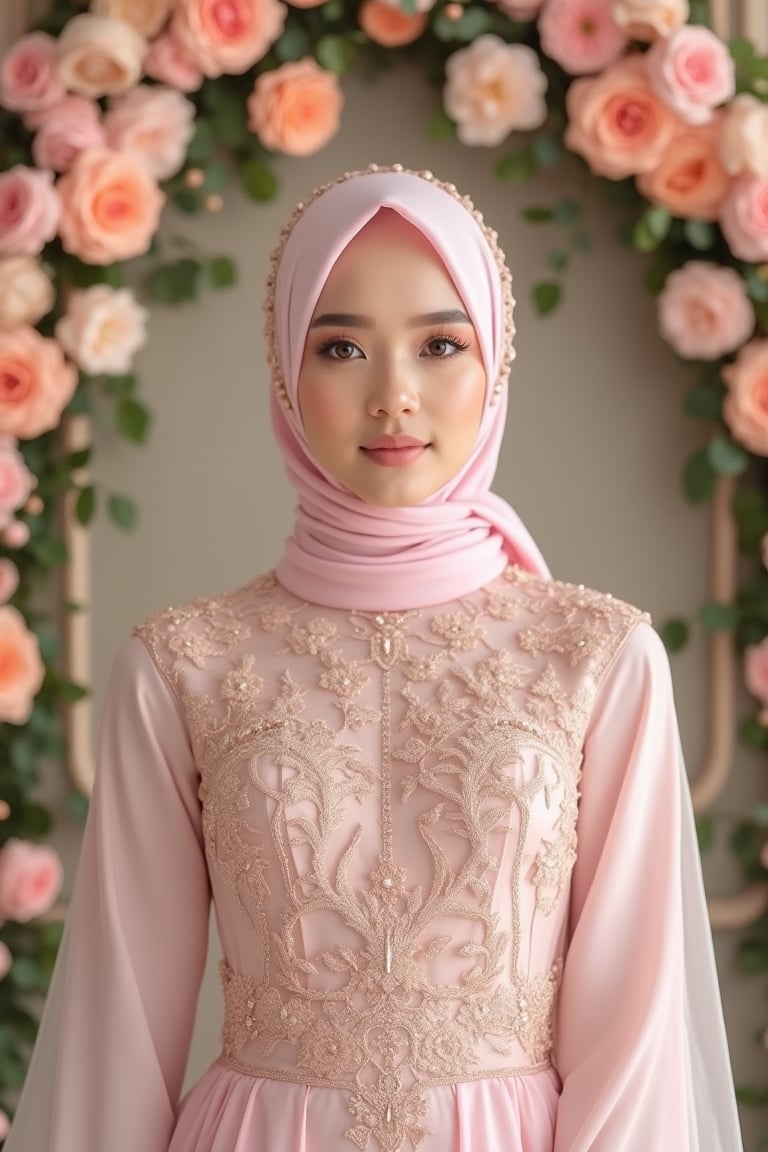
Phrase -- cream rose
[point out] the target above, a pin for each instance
(617, 122)
(147, 17)
(36, 383)
(744, 136)
(29, 79)
(111, 206)
(26, 291)
(227, 35)
(30, 874)
(62, 132)
(295, 108)
(99, 56)
(649, 19)
(745, 408)
(690, 179)
(29, 211)
(102, 329)
(494, 88)
(156, 123)
(705, 311)
(693, 72)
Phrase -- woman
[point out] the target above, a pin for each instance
(435, 794)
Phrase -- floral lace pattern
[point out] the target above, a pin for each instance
(391, 800)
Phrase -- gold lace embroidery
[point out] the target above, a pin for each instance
(493, 735)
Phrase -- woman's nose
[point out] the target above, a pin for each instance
(394, 392)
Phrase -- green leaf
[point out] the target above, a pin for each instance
(122, 511)
(753, 734)
(718, 617)
(258, 181)
(292, 45)
(132, 420)
(79, 459)
(546, 296)
(336, 53)
(189, 200)
(557, 260)
(727, 458)
(705, 400)
(651, 228)
(70, 692)
(26, 973)
(757, 282)
(49, 551)
(85, 505)
(517, 167)
(538, 214)
(547, 151)
(229, 123)
(698, 477)
(752, 1096)
(705, 832)
(759, 815)
(674, 633)
(201, 145)
(700, 234)
(222, 272)
(750, 511)
(175, 282)
(472, 23)
(78, 805)
(567, 211)
(441, 127)
(119, 385)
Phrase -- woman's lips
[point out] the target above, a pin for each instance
(395, 451)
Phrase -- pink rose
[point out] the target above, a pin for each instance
(156, 123)
(29, 211)
(102, 329)
(690, 179)
(492, 89)
(744, 218)
(744, 136)
(693, 72)
(388, 26)
(30, 876)
(227, 35)
(6, 963)
(16, 481)
(581, 35)
(295, 108)
(617, 122)
(21, 676)
(745, 408)
(756, 670)
(26, 291)
(648, 19)
(110, 206)
(169, 61)
(64, 131)
(29, 77)
(36, 383)
(9, 579)
(147, 17)
(16, 535)
(99, 56)
(704, 310)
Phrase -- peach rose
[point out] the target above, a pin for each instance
(388, 26)
(745, 408)
(30, 874)
(102, 329)
(16, 481)
(295, 108)
(705, 311)
(29, 211)
(29, 78)
(756, 670)
(110, 206)
(492, 89)
(690, 180)
(648, 19)
(744, 136)
(147, 17)
(21, 676)
(169, 61)
(693, 72)
(227, 35)
(744, 218)
(156, 123)
(9, 579)
(36, 383)
(26, 291)
(617, 122)
(581, 35)
(99, 56)
(6, 963)
(66, 130)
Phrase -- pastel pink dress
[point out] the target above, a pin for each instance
(452, 865)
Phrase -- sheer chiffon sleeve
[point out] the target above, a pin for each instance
(112, 1048)
(641, 1045)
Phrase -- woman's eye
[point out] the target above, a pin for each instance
(443, 346)
(340, 350)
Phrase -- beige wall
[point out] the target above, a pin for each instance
(592, 460)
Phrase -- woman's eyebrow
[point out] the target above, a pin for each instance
(354, 320)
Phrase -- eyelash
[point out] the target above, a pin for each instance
(334, 341)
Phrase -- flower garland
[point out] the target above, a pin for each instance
(109, 110)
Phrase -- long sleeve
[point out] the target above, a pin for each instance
(112, 1048)
(641, 1044)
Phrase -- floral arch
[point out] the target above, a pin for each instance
(110, 110)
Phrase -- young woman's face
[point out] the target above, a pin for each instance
(392, 382)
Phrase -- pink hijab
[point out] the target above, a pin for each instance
(343, 552)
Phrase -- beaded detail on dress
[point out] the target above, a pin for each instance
(390, 800)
